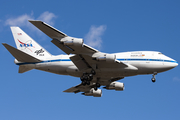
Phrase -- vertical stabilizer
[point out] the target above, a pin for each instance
(26, 44)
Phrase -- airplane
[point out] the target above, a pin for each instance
(94, 68)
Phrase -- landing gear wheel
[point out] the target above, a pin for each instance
(98, 85)
(95, 88)
(82, 78)
(90, 77)
(87, 77)
(153, 80)
(84, 82)
(88, 82)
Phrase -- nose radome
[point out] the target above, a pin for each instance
(176, 64)
(169, 62)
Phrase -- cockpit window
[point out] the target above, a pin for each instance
(160, 53)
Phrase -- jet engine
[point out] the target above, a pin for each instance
(94, 93)
(72, 41)
(118, 86)
(107, 58)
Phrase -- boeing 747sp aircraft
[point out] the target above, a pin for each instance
(94, 68)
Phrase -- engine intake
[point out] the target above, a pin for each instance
(118, 86)
(107, 58)
(72, 41)
(94, 93)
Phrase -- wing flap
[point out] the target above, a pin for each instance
(64, 48)
(80, 63)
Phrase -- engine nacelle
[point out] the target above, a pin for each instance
(107, 58)
(72, 41)
(118, 86)
(94, 93)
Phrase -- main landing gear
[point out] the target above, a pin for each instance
(153, 78)
(86, 78)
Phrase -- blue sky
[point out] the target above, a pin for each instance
(116, 26)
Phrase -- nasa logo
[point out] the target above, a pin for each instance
(27, 44)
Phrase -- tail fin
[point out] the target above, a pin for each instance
(26, 44)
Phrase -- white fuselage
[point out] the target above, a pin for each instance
(94, 68)
(146, 62)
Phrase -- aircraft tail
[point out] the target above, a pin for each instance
(19, 55)
(22, 57)
(25, 68)
(27, 45)
(28, 51)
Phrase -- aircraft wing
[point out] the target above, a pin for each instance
(87, 88)
(85, 56)
(85, 49)
(48, 30)
(57, 37)
(83, 62)
(79, 88)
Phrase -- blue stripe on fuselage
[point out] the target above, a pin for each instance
(161, 60)
(58, 60)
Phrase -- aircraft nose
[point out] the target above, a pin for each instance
(170, 64)
(176, 64)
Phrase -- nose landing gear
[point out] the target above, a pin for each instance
(153, 78)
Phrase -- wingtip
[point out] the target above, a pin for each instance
(31, 21)
(4, 44)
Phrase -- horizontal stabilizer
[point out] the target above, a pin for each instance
(23, 69)
(19, 55)
(48, 30)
